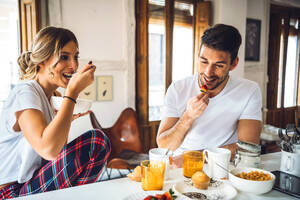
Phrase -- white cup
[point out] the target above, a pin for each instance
(218, 162)
(290, 163)
(160, 154)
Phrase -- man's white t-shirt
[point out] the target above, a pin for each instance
(217, 126)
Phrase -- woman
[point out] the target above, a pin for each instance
(34, 154)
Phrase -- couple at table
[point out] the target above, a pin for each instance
(34, 154)
(230, 109)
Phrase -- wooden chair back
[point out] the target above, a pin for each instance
(124, 134)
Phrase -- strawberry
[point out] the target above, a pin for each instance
(150, 197)
(165, 196)
(203, 88)
(170, 195)
(159, 196)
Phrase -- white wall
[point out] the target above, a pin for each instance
(106, 34)
(257, 70)
(235, 12)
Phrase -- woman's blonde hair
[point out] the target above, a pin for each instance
(48, 42)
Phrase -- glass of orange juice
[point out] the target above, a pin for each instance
(192, 162)
(153, 174)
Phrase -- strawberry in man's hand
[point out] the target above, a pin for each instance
(203, 88)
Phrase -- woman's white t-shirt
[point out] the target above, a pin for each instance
(18, 161)
(217, 126)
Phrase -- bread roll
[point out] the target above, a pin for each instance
(136, 175)
(200, 180)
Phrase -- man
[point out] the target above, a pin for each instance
(229, 111)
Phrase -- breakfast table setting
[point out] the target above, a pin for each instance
(175, 181)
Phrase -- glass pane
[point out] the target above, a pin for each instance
(156, 58)
(28, 15)
(291, 73)
(280, 71)
(9, 47)
(182, 64)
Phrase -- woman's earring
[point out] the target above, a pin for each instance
(51, 75)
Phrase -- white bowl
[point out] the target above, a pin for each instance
(82, 105)
(255, 187)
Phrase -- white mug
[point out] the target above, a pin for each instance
(160, 154)
(290, 163)
(218, 162)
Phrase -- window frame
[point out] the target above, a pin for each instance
(30, 23)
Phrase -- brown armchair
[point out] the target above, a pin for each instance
(125, 138)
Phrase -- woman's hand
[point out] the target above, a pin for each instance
(75, 116)
(80, 80)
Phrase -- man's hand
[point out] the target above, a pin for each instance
(196, 105)
(176, 161)
(232, 147)
(172, 131)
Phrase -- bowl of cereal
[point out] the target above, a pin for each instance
(81, 106)
(252, 180)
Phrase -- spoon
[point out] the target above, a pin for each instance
(167, 151)
(223, 168)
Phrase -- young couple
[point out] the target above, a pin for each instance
(34, 154)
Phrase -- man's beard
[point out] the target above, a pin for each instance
(217, 84)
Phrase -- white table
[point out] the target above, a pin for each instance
(119, 188)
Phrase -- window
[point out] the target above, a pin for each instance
(183, 41)
(291, 70)
(9, 47)
(157, 55)
(30, 18)
(283, 66)
(168, 34)
(181, 45)
(15, 36)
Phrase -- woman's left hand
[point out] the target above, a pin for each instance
(75, 116)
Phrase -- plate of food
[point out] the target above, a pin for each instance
(201, 187)
(153, 195)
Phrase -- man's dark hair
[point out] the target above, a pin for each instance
(224, 38)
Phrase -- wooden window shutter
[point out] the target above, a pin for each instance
(30, 21)
(202, 22)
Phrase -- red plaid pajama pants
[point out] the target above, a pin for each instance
(80, 162)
